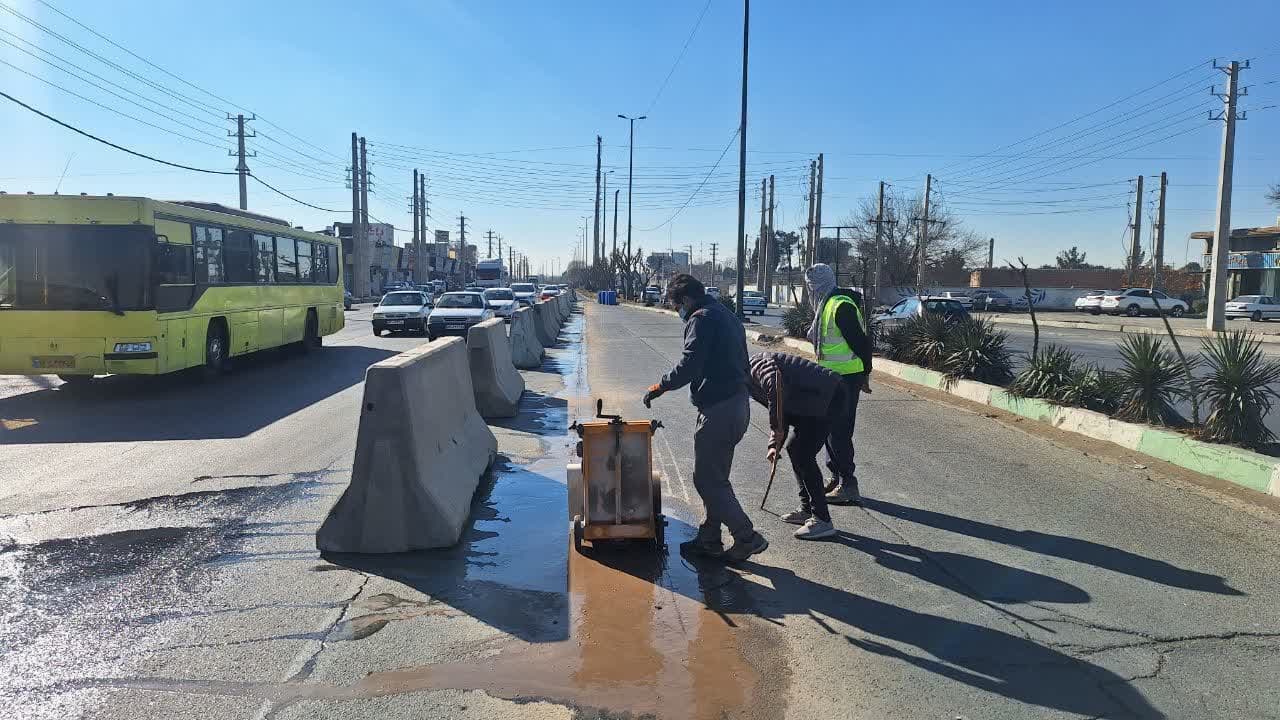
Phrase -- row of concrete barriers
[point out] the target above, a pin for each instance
(423, 443)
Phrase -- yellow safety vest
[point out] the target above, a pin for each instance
(834, 352)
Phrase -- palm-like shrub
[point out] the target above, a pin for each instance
(1047, 375)
(976, 351)
(797, 319)
(1093, 388)
(897, 344)
(930, 335)
(1151, 382)
(1238, 389)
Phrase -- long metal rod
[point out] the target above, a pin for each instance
(742, 158)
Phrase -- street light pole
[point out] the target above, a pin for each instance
(742, 159)
(631, 166)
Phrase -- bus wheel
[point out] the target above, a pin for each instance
(215, 350)
(311, 333)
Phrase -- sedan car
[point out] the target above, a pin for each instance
(754, 302)
(959, 296)
(401, 311)
(1092, 301)
(1138, 301)
(502, 302)
(456, 312)
(525, 293)
(1255, 307)
(914, 306)
(991, 301)
(549, 291)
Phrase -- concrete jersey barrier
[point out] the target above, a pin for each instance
(526, 349)
(420, 451)
(494, 379)
(548, 324)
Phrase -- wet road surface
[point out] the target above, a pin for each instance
(160, 562)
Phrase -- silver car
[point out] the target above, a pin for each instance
(402, 311)
(1255, 307)
(502, 302)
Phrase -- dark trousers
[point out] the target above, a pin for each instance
(807, 438)
(840, 441)
(719, 429)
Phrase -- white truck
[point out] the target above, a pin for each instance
(491, 273)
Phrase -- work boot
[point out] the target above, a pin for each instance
(743, 549)
(702, 547)
(816, 529)
(845, 494)
(797, 517)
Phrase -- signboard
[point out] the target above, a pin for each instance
(442, 236)
(1248, 260)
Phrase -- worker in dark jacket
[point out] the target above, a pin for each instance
(807, 398)
(714, 366)
(841, 344)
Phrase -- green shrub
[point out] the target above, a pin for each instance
(1238, 389)
(976, 351)
(930, 335)
(797, 319)
(1047, 375)
(1151, 381)
(1200, 306)
(1093, 388)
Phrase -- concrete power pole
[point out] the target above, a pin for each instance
(1222, 232)
(817, 216)
(462, 248)
(595, 232)
(613, 275)
(764, 199)
(424, 209)
(242, 169)
(489, 236)
(770, 237)
(741, 243)
(991, 253)
(713, 263)
(923, 244)
(1157, 255)
(355, 216)
(879, 245)
(417, 247)
(806, 253)
(1135, 246)
(362, 271)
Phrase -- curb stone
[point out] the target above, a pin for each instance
(1147, 329)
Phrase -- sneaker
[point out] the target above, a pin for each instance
(797, 517)
(698, 547)
(846, 494)
(816, 529)
(743, 549)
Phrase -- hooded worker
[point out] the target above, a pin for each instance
(841, 344)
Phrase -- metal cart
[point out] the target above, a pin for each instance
(614, 493)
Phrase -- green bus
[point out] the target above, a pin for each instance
(93, 285)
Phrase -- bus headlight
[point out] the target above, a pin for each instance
(134, 347)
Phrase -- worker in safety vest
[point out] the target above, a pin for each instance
(841, 344)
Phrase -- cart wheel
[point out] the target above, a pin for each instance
(577, 533)
(659, 522)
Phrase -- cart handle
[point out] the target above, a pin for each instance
(600, 411)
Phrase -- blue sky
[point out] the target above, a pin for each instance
(500, 103)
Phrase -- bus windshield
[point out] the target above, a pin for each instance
(75, 267)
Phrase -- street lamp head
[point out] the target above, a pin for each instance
(642, 117)
(624, 117)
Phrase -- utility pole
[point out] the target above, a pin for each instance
(764, 199)
(356, 254)
(838, 253)
(713, 263)
(362, 269)
(1222, 233)
(991, 253)
(241, 168)
(1135, 246)
(595, 232)
(923, 249)
(499, 255)
(817, 216)
(1157, 255)
(806, 252)
(879, 232)
(424, 210)
(770, 260)
(614, 254)
(417, 249)
(742, 162)
(489, 235)
(462, 247)
(631, 167)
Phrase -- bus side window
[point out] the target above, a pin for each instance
(332, 252)
(238, 253)
(209, 255)
(173, 264)
(319, 264)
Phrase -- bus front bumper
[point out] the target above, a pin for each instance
(76, 356)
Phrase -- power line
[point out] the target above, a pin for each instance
(679, 57)
(695, 192)
(284, 194)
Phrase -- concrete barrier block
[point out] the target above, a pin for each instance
(420, 451)
(548, 324)
(494, 380)
(526, 349)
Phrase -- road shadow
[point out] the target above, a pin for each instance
(1007, 664)
(261, 389)
(1062, 546)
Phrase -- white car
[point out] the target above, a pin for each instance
(401, 311)
(1137, 301)
(525, 293)
(1255, 307)
(1092, 301)
(754, 302)
(959, 296)
(456, 312)
(652, 295)
(502, 302)
(714, 292)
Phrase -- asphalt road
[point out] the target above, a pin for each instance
(157, 545)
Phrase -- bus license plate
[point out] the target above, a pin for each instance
(53, 362)
(455, 326)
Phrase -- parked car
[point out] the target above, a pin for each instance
(1137, 301)
(990, 300)
(549, 291)
(401, 311)
(502, 302)
(713, 291)
(525, 293)
(456, 312)
(754, 302)
(959, 296)
(1092, 301)
(652, 295)
(347, 300)
(1255, 307)
(912, 306)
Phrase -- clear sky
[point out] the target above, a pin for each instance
(500, 102)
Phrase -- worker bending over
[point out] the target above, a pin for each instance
(841, 345)
(810, 400)
(714, 366)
